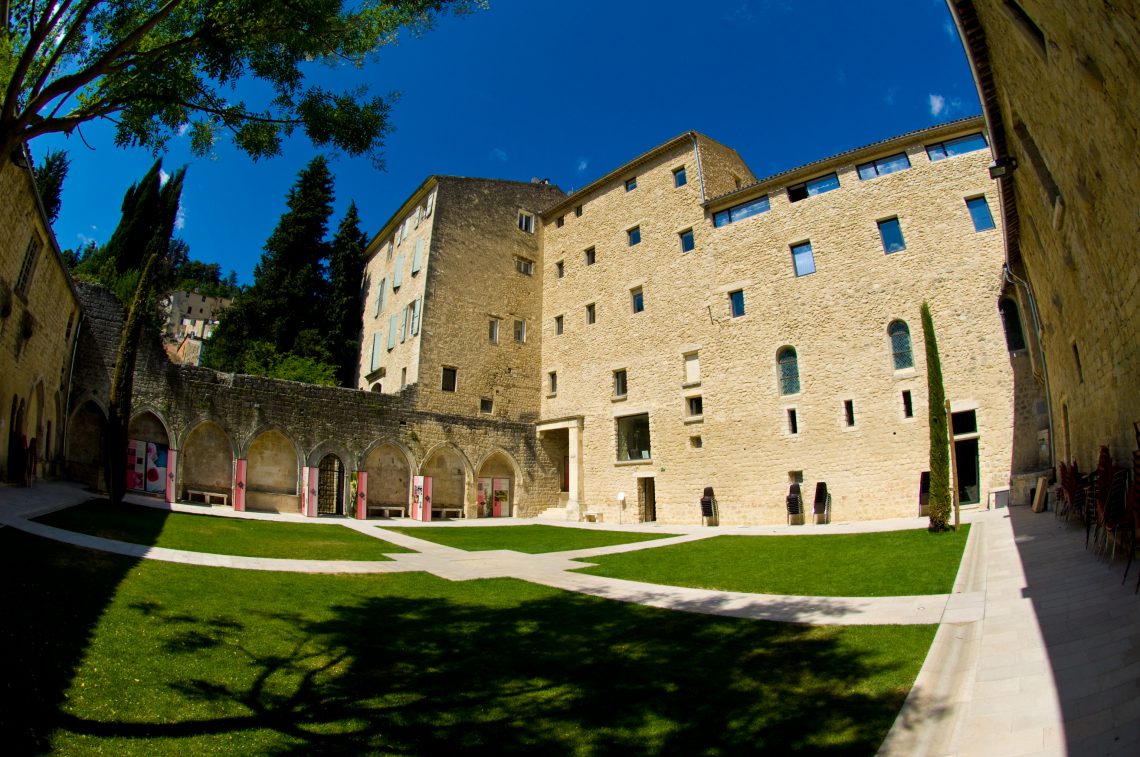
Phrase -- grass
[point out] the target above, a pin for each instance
(882, 564)
(225, 536)
(106, 654)
(529, 539)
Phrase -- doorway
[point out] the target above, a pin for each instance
(964, 427)
(330, 486)
(646, 500)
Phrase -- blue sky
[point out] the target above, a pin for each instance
(569, 92)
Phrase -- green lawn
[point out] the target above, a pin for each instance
(106, 654)
(530, 539)
(224, 536)
(883, 564)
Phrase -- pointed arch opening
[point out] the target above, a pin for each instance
(448, 472)
(207, 464)
(148, 445)
(271, 475)
(389, 480)
(84, 453)
(495, 490)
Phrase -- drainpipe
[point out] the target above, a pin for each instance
(1013, 278)
(700, 173)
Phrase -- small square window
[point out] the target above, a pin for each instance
(631, 184)
(679, 178)
(591, 256)
(736, 303)
(591, 313)
(687, 241)
(560, 221)
(891, 234)
(493, 331)
(520, 331)
(696, 442)
(696, 406)
(849, 412)
(560, 268)
(803, 259)
(526, 221)
(486, 405)
(577, 211)
(908, 404)
(449, 378)
(980, 213)
(558, 324)
(637, 297)
(793, 422)
(552, 381)
(620, 386)
(524, 266)
(634, 235)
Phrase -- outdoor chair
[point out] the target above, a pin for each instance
(795, 504)
(1113, 516)
(1132, 517)
(822, 506)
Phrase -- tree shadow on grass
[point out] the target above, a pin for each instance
(52, 597)
(504, 666)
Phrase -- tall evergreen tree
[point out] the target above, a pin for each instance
(938, 503)
(140, 221)
(50, 174)
(346, 272)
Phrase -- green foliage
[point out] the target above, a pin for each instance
(50, 175)
(155, 68)
(346, 273)
(938, 505)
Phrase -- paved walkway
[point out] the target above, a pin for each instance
(1037, 651)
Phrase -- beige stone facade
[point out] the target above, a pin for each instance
(39, 318)
(1058, 85)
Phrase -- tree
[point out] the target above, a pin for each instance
(50, 174)
(156, 67)
(938, 503)
(346, 272)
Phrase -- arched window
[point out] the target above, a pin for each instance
(789, 370)
(1011, 320)
(900, 345)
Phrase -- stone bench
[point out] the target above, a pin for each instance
(387, 511)
(198, 496)
(446, 512)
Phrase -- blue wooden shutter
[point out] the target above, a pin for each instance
(398, 273)
(417, 311)
(403, 325)
(375, 351)
(392, 332)
(418, 256)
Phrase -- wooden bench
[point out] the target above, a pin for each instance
(386, 511)
(446, 512)
(207, 498)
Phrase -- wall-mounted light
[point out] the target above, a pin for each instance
(1003, 166)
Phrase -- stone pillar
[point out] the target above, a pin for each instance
(573, 504)
(309, 499)
(239, 484)
(361, 495)
(171, 470)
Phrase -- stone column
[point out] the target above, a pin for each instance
(239, 484)
(309, 480)
(573, 504)
(361, 495)
(171, 471)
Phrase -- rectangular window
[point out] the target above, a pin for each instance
(493, 331)
(803, 259)
(429, 204)
(679, 178)
(891, 234)
(813, 187)
(404, 319)
(418, 257)
(637, 299)
(696, 442)
(736, 303)
(524, 266)
(591, 313)
(849, 412)
(520, 331)
(526, 222)
(952, 147)
(558, 325)
(403, 377)
(552, 377)
(398, 273)
(28, 266)
(883, 166)
(591, 256)
(631, 184)
(741, 211)
(692, 369)
(560, 267)
(633, 437)
(980, 213)
(417, 311)
(577, 211)
(908, 404)
(793, 422)
(449, 378)
(696, 406)
(381, 294)
(620, 386)
(392, 332)
(687, 241)
(560, 221)
(634, 235)
(486, 405)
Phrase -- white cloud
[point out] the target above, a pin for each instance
(945, 106)
(937, 104)
(180, 217)
(951, 31)
(889, 97)
(499, 154)
(583, 164)
(183, 129)
(163, 177)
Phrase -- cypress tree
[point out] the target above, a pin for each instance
(938, 504)
(139, 222)
(346, 270)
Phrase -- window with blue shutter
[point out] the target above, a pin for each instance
(418, 256)
(375, 351)
(417, 310)
(398, 272)
(403, 325)
(381, 291)
(392, 332)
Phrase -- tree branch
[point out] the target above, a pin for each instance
(76, 27)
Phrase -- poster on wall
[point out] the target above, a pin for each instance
(501, 495)
(418, 509)
(146, 466)
(483, 497)
(136, 465)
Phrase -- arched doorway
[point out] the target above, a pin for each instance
(495, 487)
(271, 476)
(16, 441)
(84, 441)
(207, 464)
(448, 473)
(330, 486)
(389, 478)
(148, 445)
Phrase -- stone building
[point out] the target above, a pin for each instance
(1058, 85)
(39, 320)
(191, 314)
(701, 328)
